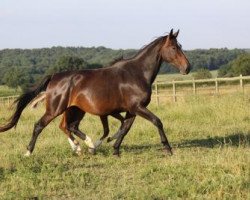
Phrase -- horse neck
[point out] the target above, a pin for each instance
(149, 61)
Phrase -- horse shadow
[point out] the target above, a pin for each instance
(234, 140)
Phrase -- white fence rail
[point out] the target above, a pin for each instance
(8, 100)
(215, 86)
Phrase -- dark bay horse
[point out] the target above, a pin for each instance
(123, 87)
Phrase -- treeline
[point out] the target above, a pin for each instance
(238, 66)
(28, 65)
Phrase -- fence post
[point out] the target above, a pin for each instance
(216, 86)
(194, 87)
(174, 91)
(156, 93)
(241, 84)
(8, 101)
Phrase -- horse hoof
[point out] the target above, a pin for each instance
(92, 151)
(27, 154)
(116, 155)
(79, 153)
(168, 151)
(89, 142)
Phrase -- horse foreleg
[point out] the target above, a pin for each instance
(116, 135)
(118, 116)
(104, 120)
(125, 127)
(105, 124)
(148, 115)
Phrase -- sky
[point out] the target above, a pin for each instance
(123, 24)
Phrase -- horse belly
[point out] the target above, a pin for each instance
(98, 103)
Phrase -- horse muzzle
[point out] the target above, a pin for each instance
(185, 70)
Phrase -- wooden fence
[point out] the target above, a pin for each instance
(8, 100)
(215, 86)
(175, 90)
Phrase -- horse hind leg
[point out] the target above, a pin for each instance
(38, 127)
(73, 126)
(72, 141)
(88, 141)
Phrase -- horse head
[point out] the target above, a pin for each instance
(172, 53)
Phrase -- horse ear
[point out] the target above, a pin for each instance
(171, 33)
(176, 34)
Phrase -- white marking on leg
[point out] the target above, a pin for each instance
(98, 143)
(78, 150)
(92, 151)
(89, 142)
(72, 144)
(27, 154)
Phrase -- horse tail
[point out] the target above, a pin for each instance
(22, 101)
(39, 98)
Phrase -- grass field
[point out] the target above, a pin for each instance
(179, 77)
(211, 156)
(6, 91)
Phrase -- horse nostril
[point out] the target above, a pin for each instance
(188, 69)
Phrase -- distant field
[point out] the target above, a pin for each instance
(171, 77)
(6, 91)
(211, 156)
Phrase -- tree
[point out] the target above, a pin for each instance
(68, 63)
(225, 71)
(46, 60)
(241, 65)
(16, 77)
(202, 74)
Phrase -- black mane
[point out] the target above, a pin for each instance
(151, 44)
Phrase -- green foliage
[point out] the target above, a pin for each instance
(16, 77)
(202, 74)
(68, 63)
(213, 58)
(210, 138)
(37, 62)
(241, 65)
(225, 71)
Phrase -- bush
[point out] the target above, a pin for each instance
(202, 74)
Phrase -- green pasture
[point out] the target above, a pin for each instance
(211, 160)
(6, 91)
(180, 77)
